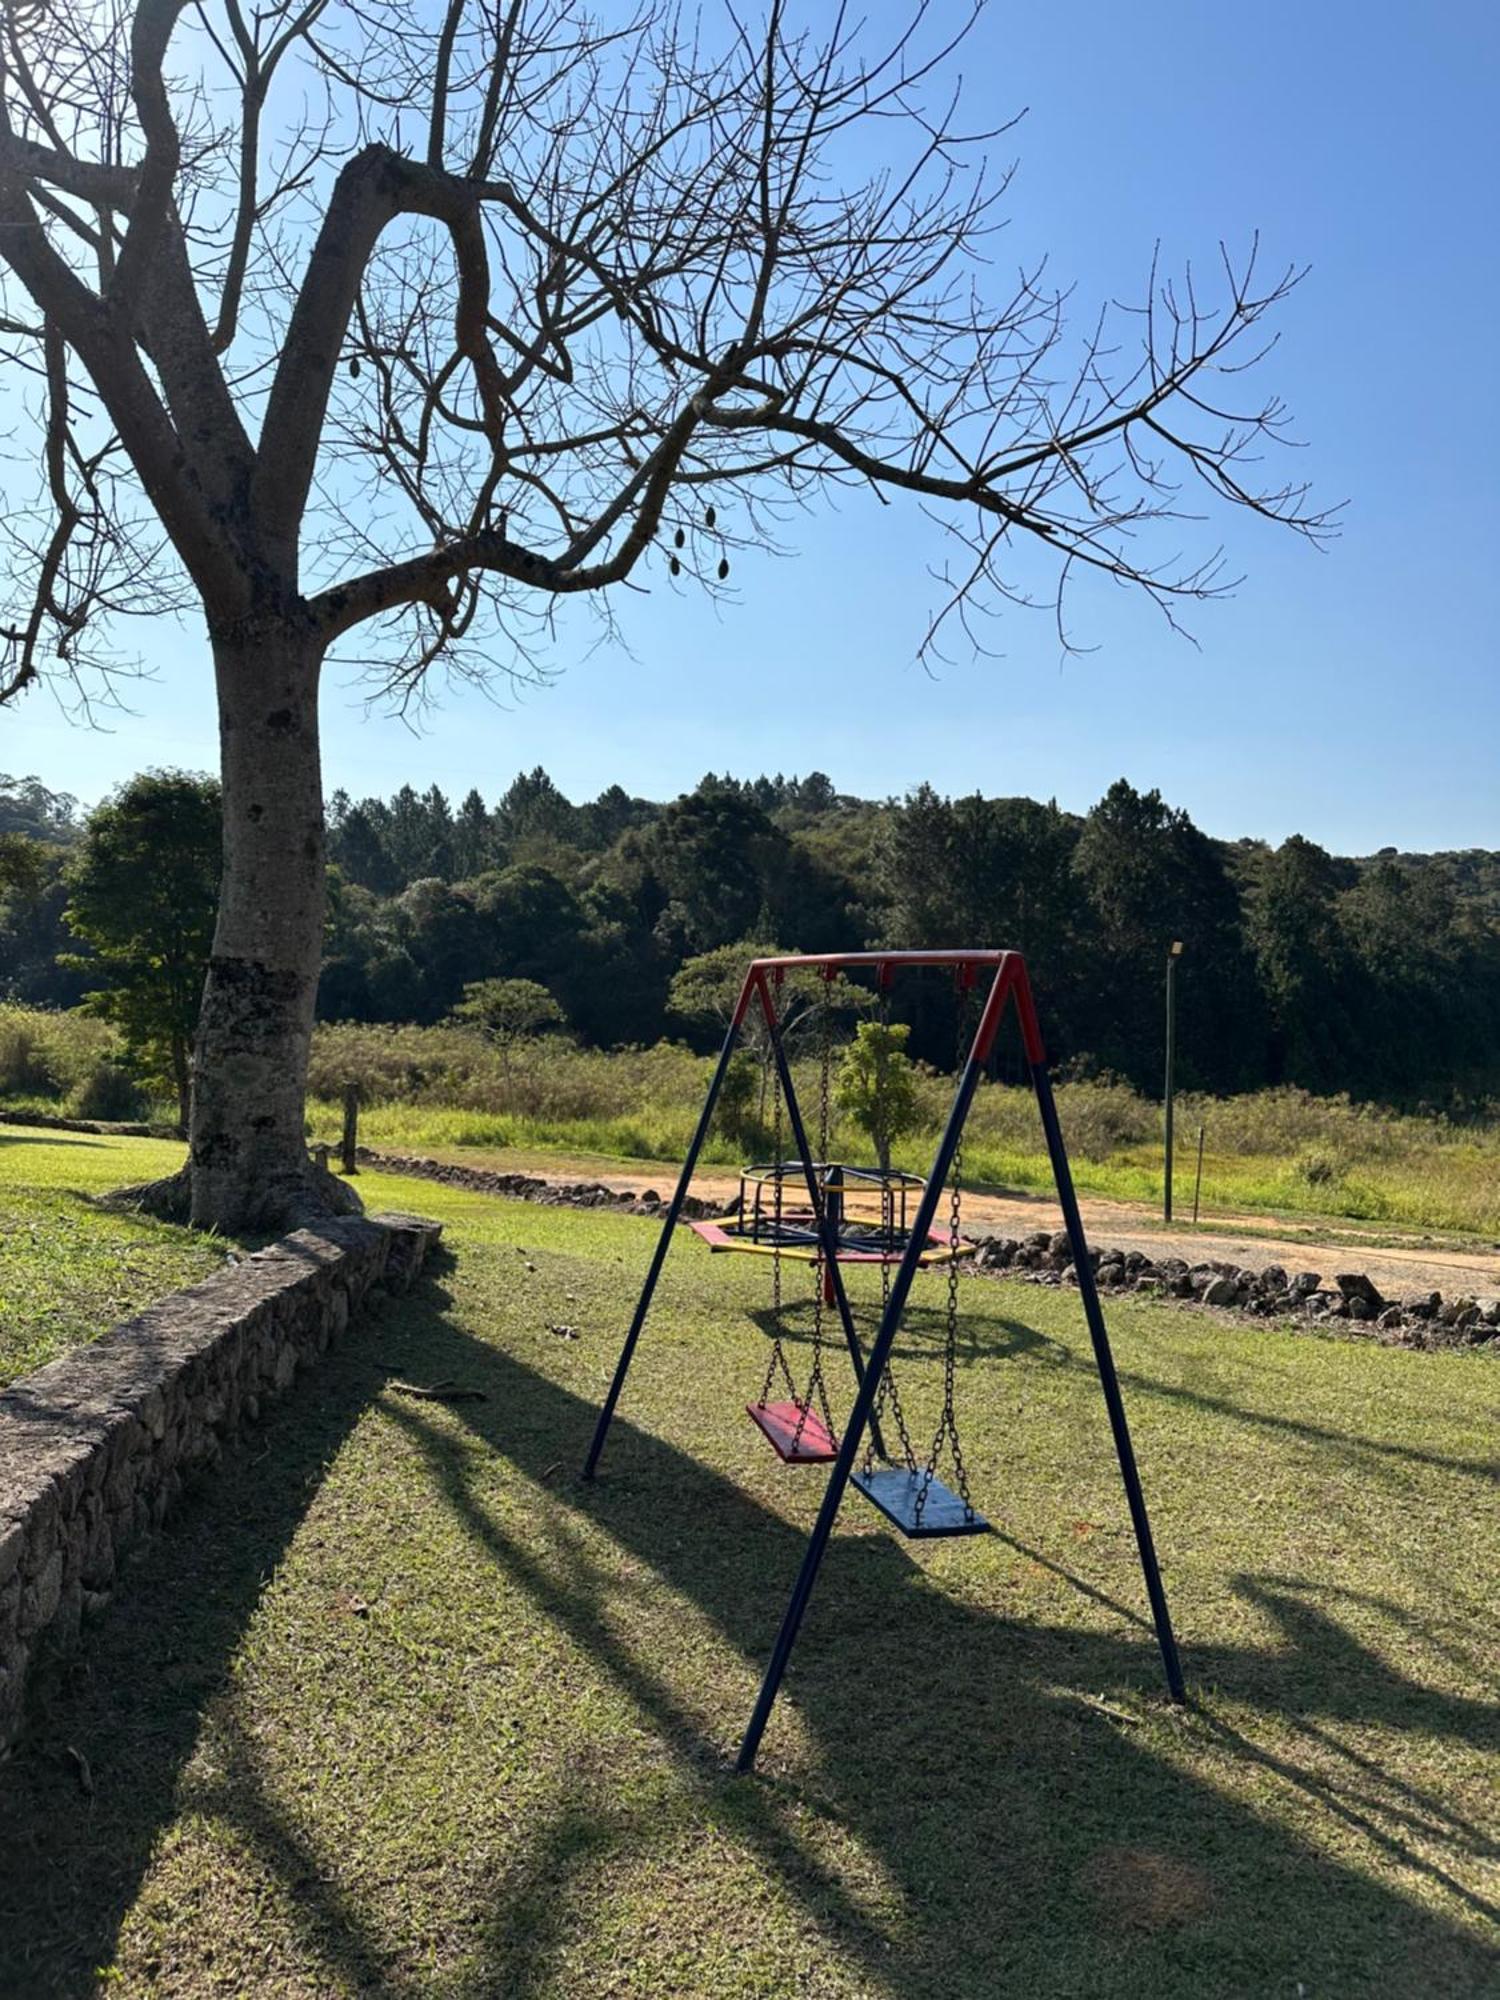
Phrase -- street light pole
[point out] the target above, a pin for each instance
(1174, 952)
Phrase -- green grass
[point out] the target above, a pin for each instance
(400, 1706)
(68, 1270)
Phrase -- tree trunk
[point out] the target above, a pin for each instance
(182, 1079)
(248, 1164)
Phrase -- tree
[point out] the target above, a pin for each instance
(350, 323)
(508, 1011)
(705, 989)
(1151, 876)
(28, 809)
(142, 891)
(1303, 962)
(876, 1086)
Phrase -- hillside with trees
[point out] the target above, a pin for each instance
(1379, 977)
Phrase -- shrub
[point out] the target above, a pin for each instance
(51, 1056)
(109, 1093)
(26, 1069)
(737, 1096)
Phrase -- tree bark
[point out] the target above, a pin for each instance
(182, 1079)
(248, 1164)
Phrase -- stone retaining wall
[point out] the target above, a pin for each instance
(94, 1447)
(1417, 1319)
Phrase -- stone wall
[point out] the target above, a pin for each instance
(94, 1448)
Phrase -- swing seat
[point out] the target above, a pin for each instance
(894, 1491)
(781, 1423)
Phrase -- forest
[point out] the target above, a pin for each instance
(1378, 976)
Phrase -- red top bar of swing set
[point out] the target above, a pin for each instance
(1010, 978)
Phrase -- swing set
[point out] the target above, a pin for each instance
(844, 1215)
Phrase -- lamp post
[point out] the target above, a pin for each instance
(1174, 952)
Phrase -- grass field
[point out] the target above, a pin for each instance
(400, 1706)
(66, 1270)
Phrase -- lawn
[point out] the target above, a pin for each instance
(68, 1270)
(401, 1706)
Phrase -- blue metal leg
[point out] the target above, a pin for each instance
(1094, 1314)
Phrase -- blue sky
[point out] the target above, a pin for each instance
(1351, 696)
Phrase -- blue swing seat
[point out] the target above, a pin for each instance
(894, 1491)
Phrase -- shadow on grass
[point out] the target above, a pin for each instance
(94, 1783)
(49, 1136)
(1034, 1835)
(920, 1337)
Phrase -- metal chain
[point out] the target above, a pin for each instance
(815, 1383)
(886, 1390)
(777, 1359)
(948, 1422)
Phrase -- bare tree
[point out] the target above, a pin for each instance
(395, 324)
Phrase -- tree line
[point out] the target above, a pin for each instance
(1377, 976)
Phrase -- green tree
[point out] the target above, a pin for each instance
(142, 892)
(1150, 876)
(876, 1086)
(507, 1012)
(1304, 964)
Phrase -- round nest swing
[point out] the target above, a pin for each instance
(872, 1210)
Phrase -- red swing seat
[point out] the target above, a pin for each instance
(798, 1435)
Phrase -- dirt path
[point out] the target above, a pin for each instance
(1249, 1240)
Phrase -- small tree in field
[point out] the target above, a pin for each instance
(876, 1086)
(142, 892)
(392, 324)
(508, 1011)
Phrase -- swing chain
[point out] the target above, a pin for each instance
(885, 1389)
(777, 1359)
(948, 1422)
(815, 1383)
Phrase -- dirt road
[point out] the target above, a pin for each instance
(1395, 1261)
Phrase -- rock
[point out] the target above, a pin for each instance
(1272, 1279)
(1391, 1318)
(1306, 1283)
(1355, 1285)
(1421, 1305)
(1221, 1291)
(1359, 1306)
